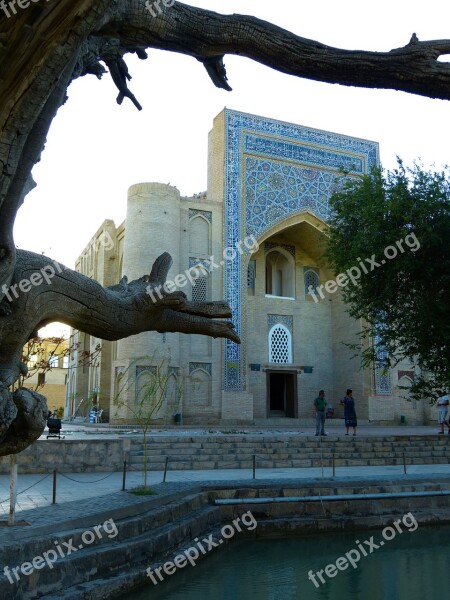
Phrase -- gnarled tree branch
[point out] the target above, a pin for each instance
(43, 291)
(47, 45)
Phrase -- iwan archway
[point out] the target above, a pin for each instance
(273, 173)
(285, 330)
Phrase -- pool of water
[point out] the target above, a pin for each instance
(414, 565)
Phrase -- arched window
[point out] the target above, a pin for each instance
(199, 236)
(200, 388)
(311, 281)
(280, 345)
(279, 274)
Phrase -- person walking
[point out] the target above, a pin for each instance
(442, 405)
(349, 411)
(320, 404)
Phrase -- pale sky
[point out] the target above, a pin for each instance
(96, 149)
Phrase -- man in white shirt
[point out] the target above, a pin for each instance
(442, 404)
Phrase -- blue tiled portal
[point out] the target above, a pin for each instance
(274, 170)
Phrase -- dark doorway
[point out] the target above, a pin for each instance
(282, 394)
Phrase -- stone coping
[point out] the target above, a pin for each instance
(119, 505)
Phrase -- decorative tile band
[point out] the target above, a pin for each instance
(304, 153)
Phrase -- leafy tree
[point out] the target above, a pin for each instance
(396, 226)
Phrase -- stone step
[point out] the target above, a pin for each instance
(139, 540)
(222, 452)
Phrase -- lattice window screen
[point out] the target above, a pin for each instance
(280, 350)
(311, 279)
(199, 289)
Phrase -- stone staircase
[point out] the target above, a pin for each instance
(107, 562)
(287, 451)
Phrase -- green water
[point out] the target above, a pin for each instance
(412, 566)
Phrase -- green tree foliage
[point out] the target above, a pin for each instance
(401, 220)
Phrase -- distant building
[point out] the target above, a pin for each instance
(48, 380)
(257, 238)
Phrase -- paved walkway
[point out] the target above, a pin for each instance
(333, 427)
(37, 490)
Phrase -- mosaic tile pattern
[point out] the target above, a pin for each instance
(274, 170)
(204, 263)
(193, 212)
(285, 320)
(274, 191)
(194, 366)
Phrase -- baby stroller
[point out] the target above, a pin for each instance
(54, 428)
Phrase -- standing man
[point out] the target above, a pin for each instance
(442, 405)
(320, 404)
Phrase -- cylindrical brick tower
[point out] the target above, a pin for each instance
(152, 227)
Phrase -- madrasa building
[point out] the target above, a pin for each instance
(255, 238)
